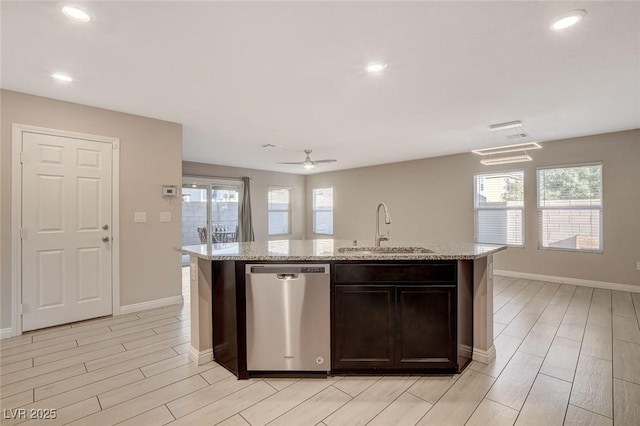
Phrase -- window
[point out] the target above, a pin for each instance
(279, 211)
(570, 207)
(499, 205)
(323, 211)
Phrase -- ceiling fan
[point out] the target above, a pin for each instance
(308, 162)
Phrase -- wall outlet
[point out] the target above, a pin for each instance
(165, 216)
(140, 217)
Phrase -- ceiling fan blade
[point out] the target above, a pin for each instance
(308, 162)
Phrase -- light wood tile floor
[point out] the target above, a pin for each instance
(565, 355)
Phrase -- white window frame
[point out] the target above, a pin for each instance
(476, 209)
(288, 210)
(314, 210)
(600, 208)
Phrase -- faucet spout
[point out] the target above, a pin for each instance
(387, 220)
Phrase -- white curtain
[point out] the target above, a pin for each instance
(246, 224)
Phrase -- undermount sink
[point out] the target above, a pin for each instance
(384, 250)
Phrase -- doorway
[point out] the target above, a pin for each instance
(65, 220)
(210, 211)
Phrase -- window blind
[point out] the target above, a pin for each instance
(279, 211)
(499, 208)
(323, 211)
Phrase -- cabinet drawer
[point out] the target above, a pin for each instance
(395, 272)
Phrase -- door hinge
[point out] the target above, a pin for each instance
(23, 231)
(22, 309)
(21, 157)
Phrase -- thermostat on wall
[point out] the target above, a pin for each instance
(169, 191)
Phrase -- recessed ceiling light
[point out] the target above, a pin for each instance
(76, 14)
(61, 77)
(567, 20)
(375, 67)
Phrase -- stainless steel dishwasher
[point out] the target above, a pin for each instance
(288, 317)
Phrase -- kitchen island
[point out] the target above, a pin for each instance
(428, 309)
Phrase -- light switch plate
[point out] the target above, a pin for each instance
(165, 216)
(140, 217)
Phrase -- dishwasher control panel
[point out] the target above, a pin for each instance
(287, 269)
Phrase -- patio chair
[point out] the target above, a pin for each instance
(202, 232)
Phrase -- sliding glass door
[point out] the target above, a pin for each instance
(210, 210)
(225, 213)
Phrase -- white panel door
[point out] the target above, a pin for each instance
(66, 230)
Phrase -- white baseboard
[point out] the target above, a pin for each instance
(484, 357)
(566, 280)
(152, 304)
(199, 358)
(5, 333)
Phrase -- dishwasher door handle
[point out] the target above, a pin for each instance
(287, 276)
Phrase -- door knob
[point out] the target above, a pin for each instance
(105, 226)
(105, 239)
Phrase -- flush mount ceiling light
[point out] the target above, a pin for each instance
(506, 160)
(507, 148)
(505, 126)
(75, 13)
(64, 78)
(270, 146)
(567, 20)
(375, 67)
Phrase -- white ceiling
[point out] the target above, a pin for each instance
(239, 75)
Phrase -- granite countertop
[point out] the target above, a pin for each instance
(328, 249)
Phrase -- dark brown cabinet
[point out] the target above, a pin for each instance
(399, 317)
(425, 327)
(364, 326)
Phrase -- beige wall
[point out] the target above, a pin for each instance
(260, 181)
(150, 156)
(432, 199)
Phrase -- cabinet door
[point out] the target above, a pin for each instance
(425, 327)
(363, 327)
